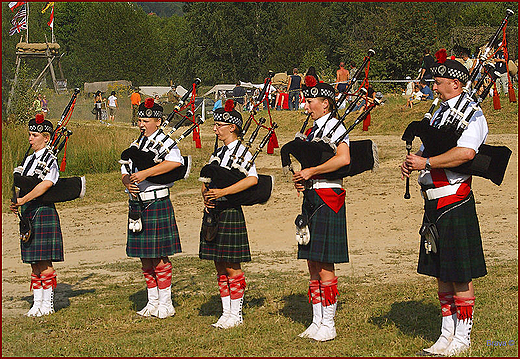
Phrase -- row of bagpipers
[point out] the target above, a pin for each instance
(439, 133)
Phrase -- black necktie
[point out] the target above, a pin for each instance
(222, 153)
(29, 165)
(143, 141)
(438, 118)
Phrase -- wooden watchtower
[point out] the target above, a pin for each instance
(49, 51)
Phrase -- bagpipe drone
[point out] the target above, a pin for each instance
(363, 153)
(490, 162)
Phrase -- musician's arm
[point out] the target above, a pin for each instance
(158, 169)
(340, 159)
(37, 191)
(451, 158)
(240, 186)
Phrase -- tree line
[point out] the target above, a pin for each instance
(229, 41)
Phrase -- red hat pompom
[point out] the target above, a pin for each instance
(148, 103)
(229, 106)
(310, 81)
(39, 118)
(452, 57)
(441, 56)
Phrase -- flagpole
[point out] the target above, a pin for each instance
(52, 28)
(27, 35)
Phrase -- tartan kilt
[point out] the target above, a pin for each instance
(46, 243)
(328, 231)
(159, 236)
(459, 256)
(231, 243)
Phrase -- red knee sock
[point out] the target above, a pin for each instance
(314, 291)
(163, 274)
(447, 303)
(223, 285)
(36, 282)
(329, 290)
(149, 277)
(237, 286)
(49, 280)
(464, 307)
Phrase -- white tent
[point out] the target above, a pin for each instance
(160, 90)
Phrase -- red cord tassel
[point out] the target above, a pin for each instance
(496, 98)
(366, 122)
(196, 138)
(64, 160)
(273, 143)
(511, 92)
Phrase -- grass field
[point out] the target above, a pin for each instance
(97, 317)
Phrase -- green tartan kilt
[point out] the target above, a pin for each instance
(459, 256)
(46, 242)
(231, 243)
(328, 231)
(159, 236)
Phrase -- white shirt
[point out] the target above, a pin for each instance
(174, 155)
(320, 122)
(53, 174)
(472, 137)
(229, 152)
(112, 101)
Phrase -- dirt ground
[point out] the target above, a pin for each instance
(382, 226)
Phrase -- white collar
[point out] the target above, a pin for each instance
(39, 153)
(320, 122)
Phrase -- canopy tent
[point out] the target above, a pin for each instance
(160, 90)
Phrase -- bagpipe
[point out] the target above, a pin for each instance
(363, 153)
(490, 162)
(155, 149)
(216, 176)
(65, 189)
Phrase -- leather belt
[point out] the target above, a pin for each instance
(323, 183)
(435, 193)
(155, 194)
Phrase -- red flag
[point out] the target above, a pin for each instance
(51, 20)
(14, 4)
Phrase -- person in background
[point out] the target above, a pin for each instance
(239, 94)
(342, 78)
(112, 106)
(293, 88)
(135, 100)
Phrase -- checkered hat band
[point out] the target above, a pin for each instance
(43, 127)
(449, 73)
(228, 118)
(149, 113)
(317, 92)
